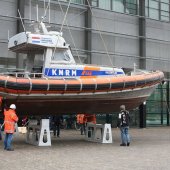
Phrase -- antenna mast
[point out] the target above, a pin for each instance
(37, 9)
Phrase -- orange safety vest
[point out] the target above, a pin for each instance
(10, 120)
(1, 98)
(91, 118)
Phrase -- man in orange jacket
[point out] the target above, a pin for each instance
(9, 126)
(81, 119)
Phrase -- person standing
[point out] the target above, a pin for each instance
(56, 124)
(10, 118)
(81, 119)
(123, 124)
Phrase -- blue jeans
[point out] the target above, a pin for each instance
(8, 140)
(125, 138)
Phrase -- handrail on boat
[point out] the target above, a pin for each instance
(24, 74)
(14, 86)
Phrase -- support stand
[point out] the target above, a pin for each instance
(38, 134)
(99, 133)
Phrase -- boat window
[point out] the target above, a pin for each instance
(61, 55)
(67, 57)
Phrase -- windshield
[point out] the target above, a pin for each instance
(61, 55)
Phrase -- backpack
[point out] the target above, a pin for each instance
(124, 118)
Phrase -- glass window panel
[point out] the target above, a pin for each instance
(74, 1)
(153, 119)
(146, 3)
(156, 95)
(118, 6)
(77, 1)
(146, 12)
(147, 8)
(153, 9)
(131, 6)
(164, 18)
(164, 11)
(131, 1)
(105, 4)
(157, 106)
(153, 4)
(94, 2)
(164, 7)
(165, 14)
(153, 107)
(166, 1)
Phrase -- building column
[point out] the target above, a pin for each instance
(21, 8)
(142, 54)
(167, 100)
(142, 35)
(162, 102)
(88, 25)
(142, 115)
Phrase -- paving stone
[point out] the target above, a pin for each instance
(149, 150)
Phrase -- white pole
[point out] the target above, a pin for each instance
(37, 10)
(44, 6)
(30, 10)
(49, 11)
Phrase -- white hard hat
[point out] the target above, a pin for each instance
(12, 106)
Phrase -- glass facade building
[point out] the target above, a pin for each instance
(154, 9)
(157, 106)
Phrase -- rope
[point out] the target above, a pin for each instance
(26, 123)
(100, 33)
(2, 125)
(70, 33)
(45, 12)
(65, 15)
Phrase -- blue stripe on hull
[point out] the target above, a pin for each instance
(73, 72)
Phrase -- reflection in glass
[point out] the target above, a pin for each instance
(105, 4)
(117, 5)
(94, 3)
(131, 6)
(154, 9)
(164, 10)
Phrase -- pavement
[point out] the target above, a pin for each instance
(149, 150)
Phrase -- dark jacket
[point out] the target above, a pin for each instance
(124, 119)
(57, 120)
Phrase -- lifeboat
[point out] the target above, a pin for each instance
(65, 87)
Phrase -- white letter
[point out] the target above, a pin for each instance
(54, 72)
(74, 73)
(60, 72)
(67, 72)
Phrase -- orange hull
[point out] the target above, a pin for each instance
(97, 95)
(12, 86)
